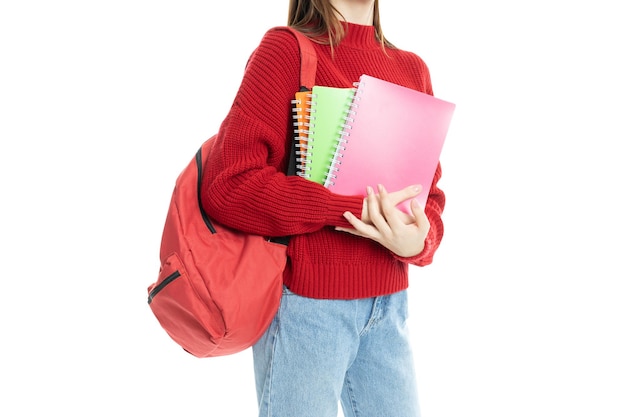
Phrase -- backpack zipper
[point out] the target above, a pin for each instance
(162, 285)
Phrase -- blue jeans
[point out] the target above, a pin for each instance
(317, 353)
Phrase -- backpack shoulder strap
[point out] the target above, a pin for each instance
(308, 58)
(308, 68)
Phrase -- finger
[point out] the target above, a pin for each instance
(406, 218)
(360, 228)
(398, 197)
(388, 209)
(365, 217)
(350, 231)
(377, 217)
(421, 220)
(407, 193)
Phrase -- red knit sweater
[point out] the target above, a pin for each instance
(244, 186)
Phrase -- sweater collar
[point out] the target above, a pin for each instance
(359, 36)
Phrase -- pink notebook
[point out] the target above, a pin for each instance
(394, 137)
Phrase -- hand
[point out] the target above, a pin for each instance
(384, 223)
(395, 198)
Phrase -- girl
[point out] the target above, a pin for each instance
(340, 334)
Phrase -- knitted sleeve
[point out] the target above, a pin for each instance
(434, 209)
(436, 197)
(244, 185)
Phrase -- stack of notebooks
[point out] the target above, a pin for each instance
(375, 133)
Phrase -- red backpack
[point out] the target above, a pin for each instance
(218, 289)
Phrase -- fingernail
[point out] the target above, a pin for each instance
(369, 190)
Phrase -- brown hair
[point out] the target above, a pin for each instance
(318, 19)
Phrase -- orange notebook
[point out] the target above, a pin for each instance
(302, 119)
(394, 137)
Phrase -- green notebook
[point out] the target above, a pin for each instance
(329, 109)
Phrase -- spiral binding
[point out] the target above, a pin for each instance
(343, 138)
(301, 107)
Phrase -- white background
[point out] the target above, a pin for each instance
(102, 103)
